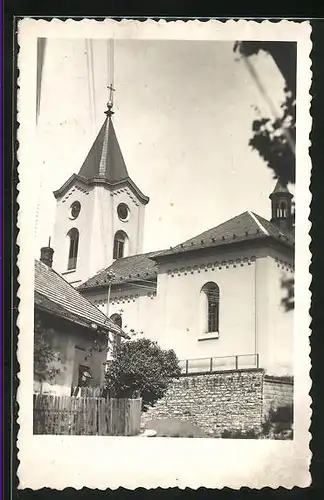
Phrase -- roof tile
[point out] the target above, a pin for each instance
(58, 296)
(243, 227)
(247, 226)
(134, 268)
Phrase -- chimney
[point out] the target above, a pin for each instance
(46, 255)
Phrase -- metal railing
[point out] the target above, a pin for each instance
(222, 363)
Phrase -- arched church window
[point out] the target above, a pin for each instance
(117, 319)
(119, 245)
(73, 248)
(210, 292)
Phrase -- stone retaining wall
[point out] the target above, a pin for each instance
(276, 392)
(219, 401)
(214, 401)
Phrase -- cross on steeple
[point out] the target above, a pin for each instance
(111, 88)
(110, 103)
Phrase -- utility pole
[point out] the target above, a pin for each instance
(110, 277)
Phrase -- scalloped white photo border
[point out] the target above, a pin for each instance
(110, 462)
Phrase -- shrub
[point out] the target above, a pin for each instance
(278, 424)
(141, 368)
(239, 434)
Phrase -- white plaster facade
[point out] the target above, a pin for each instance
(252, 318)
(97, 224)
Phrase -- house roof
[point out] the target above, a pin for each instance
(134, 269)
(58, 297)
(104, 164)
(247, 226)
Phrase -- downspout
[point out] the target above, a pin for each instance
(109, 333)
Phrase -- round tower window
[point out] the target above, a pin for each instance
(123, 211)
(75, 209)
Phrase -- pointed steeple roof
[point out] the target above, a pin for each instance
(104, 163)
(105, 159)
(280, 188)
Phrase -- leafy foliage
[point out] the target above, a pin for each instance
(270, 135)
(270, 139)
(277, 425)
(279, 422)
(289, 300)
(45, 356)
(239, 434)
(141, 368)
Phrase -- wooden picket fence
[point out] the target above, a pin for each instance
(90, 416)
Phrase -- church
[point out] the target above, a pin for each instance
(217, 299)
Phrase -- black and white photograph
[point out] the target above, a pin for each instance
(162, 178)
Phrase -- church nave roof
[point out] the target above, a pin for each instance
(245, 227)
(132, 269)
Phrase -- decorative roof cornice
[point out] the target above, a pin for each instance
(96, 181)
(219, 246)
(243, 229)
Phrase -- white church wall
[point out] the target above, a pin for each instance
(97, 224)
(100, 232)
(252, 319)
(277, 323)
(106, 223)
(138, 308)
(134, 224)
(179, 302)
(63, 224)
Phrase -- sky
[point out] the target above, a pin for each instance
(183, 118)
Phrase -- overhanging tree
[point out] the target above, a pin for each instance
(141, 368)
(45, 356)
(274, 138)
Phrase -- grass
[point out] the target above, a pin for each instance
(172, 427)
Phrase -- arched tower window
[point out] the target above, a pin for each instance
(73, 248)
(120, 241)
(283, 210)
(210, 293)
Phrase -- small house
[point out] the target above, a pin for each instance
(71, 335)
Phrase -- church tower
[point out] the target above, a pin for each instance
(100, 211)
(281, 206)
